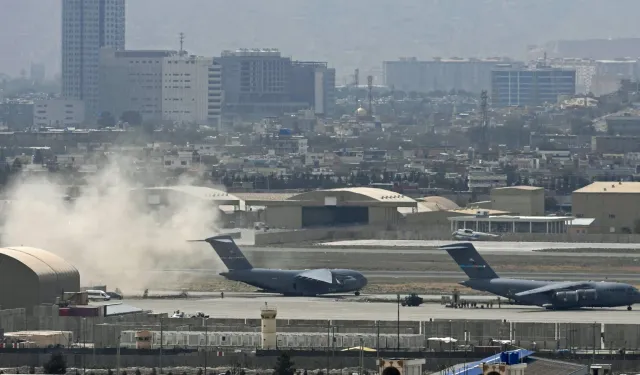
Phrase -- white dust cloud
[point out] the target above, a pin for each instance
(109, 234)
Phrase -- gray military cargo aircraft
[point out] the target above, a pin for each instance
(552, 295)
(287, 282)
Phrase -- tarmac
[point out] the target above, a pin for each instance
(450, 275)
(336, 309)
(486, 246)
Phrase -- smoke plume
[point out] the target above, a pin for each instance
(107, 234)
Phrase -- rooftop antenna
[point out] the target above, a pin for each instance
(370, 86)
(181, 44)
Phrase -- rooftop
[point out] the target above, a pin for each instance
(611, 187)
(520, 187)
(509, 218)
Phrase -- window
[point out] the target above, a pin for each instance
(612, 216)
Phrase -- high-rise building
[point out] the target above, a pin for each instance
(87, 26)
(263, 82)
(313, 83)
(191, 90)
(410, 74)
(132, 80)
(161, 85)
(530, 86)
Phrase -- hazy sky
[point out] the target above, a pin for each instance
(347, 33)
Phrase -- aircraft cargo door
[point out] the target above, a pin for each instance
(329, 216)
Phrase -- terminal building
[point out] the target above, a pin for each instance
(484, 222)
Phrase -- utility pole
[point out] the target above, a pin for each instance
(206, 345)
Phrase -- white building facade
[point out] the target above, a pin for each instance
(58, 113)
(131, 80)
(186, 89)
(87, 26)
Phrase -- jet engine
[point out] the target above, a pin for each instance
(571, 296)
(587, 294)
(566, 296)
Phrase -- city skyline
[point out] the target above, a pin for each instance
(381, 30)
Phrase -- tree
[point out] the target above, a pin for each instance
(57, 364)
(132, 117)
(17, 164)
(284, 365)
(37, 157)
(138, 372)
(106, 119)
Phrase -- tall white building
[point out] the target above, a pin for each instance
(161, 85)
(87, 26)
(58, 113)
(132, 80)
(191, 90)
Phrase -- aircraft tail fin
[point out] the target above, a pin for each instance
(470, 261)
(229, 252)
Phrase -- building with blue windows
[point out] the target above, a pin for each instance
(513, 86)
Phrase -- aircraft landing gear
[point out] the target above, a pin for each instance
(357, 293)
(628, 308)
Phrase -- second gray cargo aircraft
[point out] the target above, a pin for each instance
(288, 282)
(552, 295)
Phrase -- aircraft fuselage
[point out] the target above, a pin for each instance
(285, 281)
(595, 294)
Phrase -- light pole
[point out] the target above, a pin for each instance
(398, 325)
(361, 355)
(118, 355)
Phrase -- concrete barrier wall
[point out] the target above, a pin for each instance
(105, 330)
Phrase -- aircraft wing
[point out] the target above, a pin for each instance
(319, 275)
(554, 287)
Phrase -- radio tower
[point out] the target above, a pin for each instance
(484, 137)
(370, 87)
(181, 44)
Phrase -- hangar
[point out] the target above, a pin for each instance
(31, 276)
(163, 195)
(335, 207)
(230, 205)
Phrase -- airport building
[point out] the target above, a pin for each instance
(499, 224)
(519, 200)
(613, 205)
(31, 277)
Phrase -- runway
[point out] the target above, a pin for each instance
(327, 309)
